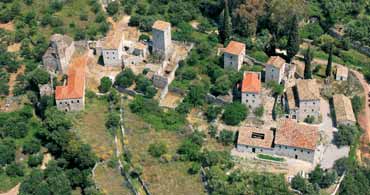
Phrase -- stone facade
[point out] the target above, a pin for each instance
(251, 90)
(112, 57)
(308, 108)
(71, 104)
(294, 152)
(254, 149)
(234, 55)
(59, 53)
(341, 73)
(275, 69)
(162, 41)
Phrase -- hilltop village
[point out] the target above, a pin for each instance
(152, 97)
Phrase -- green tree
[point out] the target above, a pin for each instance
(234, 113)
(105, 84)
(320, 177)
(7, 151)
(357, 104)
(31, 146)
(35, 160)
(308, 56)
(113, 120)
(112, 8)
(330, 61)
(212, 112)
(125, 79)
(346, 135)
(14, 169)
(293, 39)
(226, 26)
(157, 149)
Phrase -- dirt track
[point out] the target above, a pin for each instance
(13, 191)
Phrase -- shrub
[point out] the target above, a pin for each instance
(259, 111)
(226, 137)
(311, 31)
(234, 113)
(212, 112)
(157, 149)
(309, 119)
(194, 169)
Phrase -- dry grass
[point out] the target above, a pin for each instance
(7, 26)
(110, 181)
(90, 125)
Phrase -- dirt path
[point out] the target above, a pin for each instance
(13, 78)
(7, 26)
(13, 191)
(364, 117)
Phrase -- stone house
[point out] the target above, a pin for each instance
(234, 55)
(303, 100)
(290, 139)
(251, 90)
(71, 96)
(162, 41)
(343, 110)
(275, 69)
(296, 140)
(112, 49)
(341, 73)
(58, 55)
(255, 140)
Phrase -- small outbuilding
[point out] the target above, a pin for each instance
(341, 73)
(343, 110)
(255, 140)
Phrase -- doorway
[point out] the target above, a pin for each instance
(296, 156)
(254, 150)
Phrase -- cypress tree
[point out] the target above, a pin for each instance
(330, 61)
(307, 61)
(293, 39)
(226, 28)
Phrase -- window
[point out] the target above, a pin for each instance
(252, 101)
(295, 149)
(308, 152)
(72, 101)
(60, 102)
(280, 147)
(301, 150)
(312, 110)
(78, 101)
(313, 103)
(286, 147)
(246, 101)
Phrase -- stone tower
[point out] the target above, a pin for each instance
(161, 38)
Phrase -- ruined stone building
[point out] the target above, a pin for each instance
(303, 100)
(162, 41)
(341, 73)
(290, 139)
(234, 55)
(57, 57)
(251, 90)
(71, 96)
(275, 69)
(343, 110)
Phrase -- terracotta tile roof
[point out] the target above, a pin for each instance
(249, 136)
(342, 71)
(308, 90)
(235, 48)
(290, 98)
(75, 87)
(297, 135)
(161, 25)
(251, 82)
(276, 61)
(343, 108)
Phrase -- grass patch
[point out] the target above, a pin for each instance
(268, 157)
(90, 126)
(110, 181)
(259, 55)
(162, 177)
(7, 182)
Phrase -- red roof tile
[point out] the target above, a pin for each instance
(276, 61)
(297, 135)
(75, 87)
(235, 48)
(251, 82)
